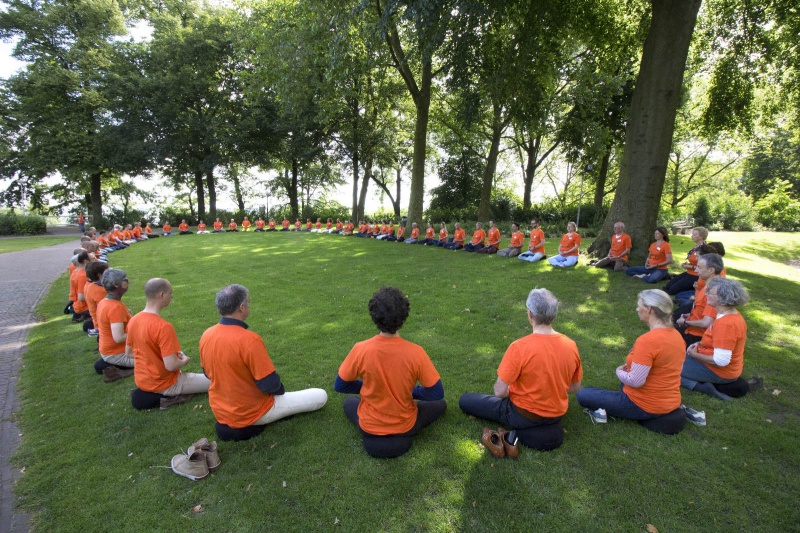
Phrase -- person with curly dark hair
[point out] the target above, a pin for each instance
(385, 371)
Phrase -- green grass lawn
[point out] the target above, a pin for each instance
(15, 244)
(93, 463)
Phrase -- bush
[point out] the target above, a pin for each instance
(778, 210)
(733, 212)
(702, 213)
(14, 224)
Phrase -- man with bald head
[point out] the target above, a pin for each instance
(158, 354)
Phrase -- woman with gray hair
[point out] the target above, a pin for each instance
(533, 380)
(112, 324)
(650, 378)
(718, 358)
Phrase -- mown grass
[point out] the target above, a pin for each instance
(91, 461)
(15, 244)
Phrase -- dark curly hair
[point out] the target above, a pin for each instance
(389, 309)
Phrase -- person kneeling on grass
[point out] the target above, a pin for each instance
(533, 380)
(158, 354)
(651, 376)
(112, 324)
(246, 392)
(389, 369)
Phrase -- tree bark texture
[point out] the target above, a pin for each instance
(212, 194)
(95, 192)
(651, 123)
(293, 189)
(201, 197)
(602, 177)
(491, 165)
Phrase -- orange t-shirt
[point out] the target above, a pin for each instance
(479, 237)
(376, 229)
(568, 241)
(415, 233)
(183, 226)
(728, 332)
(127, 235)
(201, 227)
(297, 225)
(285, 223)
(148, 230)
(539, 369)
(537, 238)
(152, 339)
(517, 238)
(664, 351)
(658, 254)
(166, 228)
(234, 359)
(339, 226)
(494, 237)
(459, 235)
(443, 234)
(429, 233)
(700, 309)
(620, 243)
(401, 232)
(260, 224)
(72, 269)
(94, 293)
(137, 232)
(390, 368)
(691, 258)
(328, 225)
(111, 312)
(104, 242)
(218, 225)
(78, 280)
(232, 225)
(308, 225)
(245, 223)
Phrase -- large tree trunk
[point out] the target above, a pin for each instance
(532, 151)
(237, 188)
(423, 104)
(397, 196)
(356, 215)
(602, 177)
(491, 165)
(212, 194)
(201, 197)
(95, 192)
(293, 204)
(362, 197)
(651, 122)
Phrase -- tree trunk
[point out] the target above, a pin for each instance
(212, 194)
(651, 123)
(362, 197)
(491, 165)
(201, 197)
(397, 196)
(237, 189)
(356, 216)
(600, 187)
(96, 196)
(293, 190)
(423, 105)
(532, 151)
(191, 205)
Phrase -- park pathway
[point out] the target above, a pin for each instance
(25, 277)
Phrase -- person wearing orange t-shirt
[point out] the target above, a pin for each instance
(458, 238)
(81, 223)
(568, 248)
(218, 226)
(77, 282)
(478, 239)
(685, 280)
(201, 228)
(533, 381)
(515, 246)
(400, 391)
(620, 248)
(166, 230)
(442, 240)
(493, 246)
(693, 325)
(348, 228)
(157, 352)
(429, 234)
(285, 224)
(183, 228)
(116, 361)
(297, 225)
(718, 358)
(414, 234)
(246, 392)
(401, 232)
(656, 267)
(260, 225)
(232, 227)
(309, 225)
(271, 226)
(246, 224)
(651, 375)
(148, 231)
(93, 293)
(339, 226)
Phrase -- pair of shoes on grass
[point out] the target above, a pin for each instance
(501, 443)
(598, 416)
(698, 418)
(200, 459)
(115, 373)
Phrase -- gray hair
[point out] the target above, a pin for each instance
(730, 292)
(543, 305)
(712, 261)
(659, 302)
(703, 232)
(230, 298)
(113, 278)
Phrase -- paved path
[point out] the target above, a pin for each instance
(24, 278)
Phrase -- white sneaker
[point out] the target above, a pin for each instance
(697, 418)
(598, 416)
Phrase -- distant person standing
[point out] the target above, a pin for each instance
(81, 223)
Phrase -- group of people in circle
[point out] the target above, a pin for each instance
(395, 389)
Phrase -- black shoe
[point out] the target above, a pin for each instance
(755, 383)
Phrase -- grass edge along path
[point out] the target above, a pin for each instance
(90, 459)
(16, 244)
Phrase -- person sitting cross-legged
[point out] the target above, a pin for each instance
(515, 246)
(567, 248)
(478, 239)
(617, 257)
(656, 266)
(651, 376)
(246, 392)
(533, 381)
(493, 244)
(536, 249)
(385, 371)
(157, 352)
(112, 324)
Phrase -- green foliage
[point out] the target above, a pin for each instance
(460, 182)
(778, 209)
(774, 157)
(14, 224)
(702, 212)
(733, 211)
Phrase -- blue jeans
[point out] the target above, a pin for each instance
(490, 407)
(563, 260)
(531, 257)
(652, 275)
(695, 372)
(684, 298)
(469, 247)
(616, 403)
